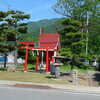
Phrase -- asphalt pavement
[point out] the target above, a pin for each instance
(21, 93)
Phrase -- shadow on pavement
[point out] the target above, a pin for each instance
(50, 77)
(64, 74)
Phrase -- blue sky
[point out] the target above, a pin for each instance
(38, 9)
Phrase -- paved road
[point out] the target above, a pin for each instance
(15, 93)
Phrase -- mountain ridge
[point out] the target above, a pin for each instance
(49, 26)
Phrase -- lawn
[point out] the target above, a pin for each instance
(36, 77)
(67, 68)
(30, 77)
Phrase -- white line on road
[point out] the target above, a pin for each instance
(82, 93)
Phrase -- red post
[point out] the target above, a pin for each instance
(49, 65)
(47, 61)
(37, 63)
(26, 61)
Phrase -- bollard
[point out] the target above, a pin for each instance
(75, 77)
(90, 73)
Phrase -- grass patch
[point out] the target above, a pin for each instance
(67, 68)
(37, 77)
(30, 77)
(3, 69)
(30, 67)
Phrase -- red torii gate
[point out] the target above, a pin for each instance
(49, 43)
(27, 47)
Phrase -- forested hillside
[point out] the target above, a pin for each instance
(49, 26)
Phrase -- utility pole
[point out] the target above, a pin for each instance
(41, 30)
(87, 31)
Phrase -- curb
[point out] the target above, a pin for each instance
(82, 89)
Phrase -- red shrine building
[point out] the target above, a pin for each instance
(46, 48)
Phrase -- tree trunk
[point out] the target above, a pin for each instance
(15, 58)
(5, 60)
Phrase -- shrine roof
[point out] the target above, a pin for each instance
(50, 40)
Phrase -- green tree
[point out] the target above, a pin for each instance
(78, 9)
(72, 39)
(11, 26)
(86, 11)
